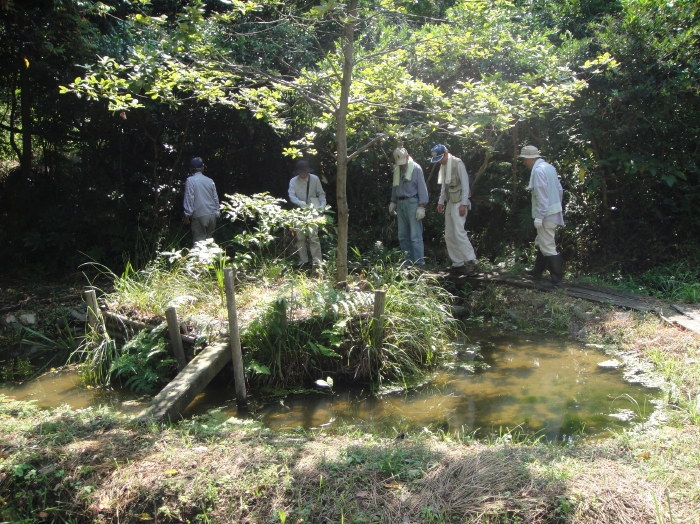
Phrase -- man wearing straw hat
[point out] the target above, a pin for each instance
(305, 191)
(454, 202)
(547, 197)
(409, 196)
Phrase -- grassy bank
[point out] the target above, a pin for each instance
(92, 465)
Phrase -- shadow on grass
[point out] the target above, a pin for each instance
(93, 466)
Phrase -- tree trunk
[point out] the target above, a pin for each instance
(26, 111)
(342, 141)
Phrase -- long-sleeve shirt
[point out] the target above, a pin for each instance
(200, 196)
(297, 190)
(410, 188)
(464, 180)
(540, 193)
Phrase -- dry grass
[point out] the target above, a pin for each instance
(209, 470)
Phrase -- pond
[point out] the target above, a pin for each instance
(496, 382)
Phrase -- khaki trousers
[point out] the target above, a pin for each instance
(314, 246)
(545, 239)
(459, 248)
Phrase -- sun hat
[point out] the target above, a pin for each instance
(301, 168)
(400, 156)
(437, 152)
(529, 152)
(196, 163)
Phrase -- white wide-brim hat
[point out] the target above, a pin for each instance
(400, 156)
(529, 152)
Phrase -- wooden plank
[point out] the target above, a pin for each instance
(608, 291)
(682, 320)
(687, 310)
(687, 317)
(189, 383)
(612, 300)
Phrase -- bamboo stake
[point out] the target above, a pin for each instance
(378, 317)
(235, 340)
(175, 340)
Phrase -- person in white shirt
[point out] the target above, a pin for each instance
(547, 212)
(454, 202)
(201, 202)
(305, 191)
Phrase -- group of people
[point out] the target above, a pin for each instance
(409, 198)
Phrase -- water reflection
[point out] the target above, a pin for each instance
(545, 385)
(58, 388)
(551, 386)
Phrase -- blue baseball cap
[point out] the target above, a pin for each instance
(196, 163)
(437, 152)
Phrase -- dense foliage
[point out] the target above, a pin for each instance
(103, 103)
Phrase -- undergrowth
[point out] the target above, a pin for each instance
(323, 331)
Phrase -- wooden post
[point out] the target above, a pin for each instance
(235, 340)
(92, 309)
(378, 318)
(175, 339)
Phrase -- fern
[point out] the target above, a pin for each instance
(143, 361)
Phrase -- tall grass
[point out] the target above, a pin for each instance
(191, 280)
(328, 331)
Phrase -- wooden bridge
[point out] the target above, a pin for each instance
(685, 315)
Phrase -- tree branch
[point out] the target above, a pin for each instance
(10, 128)
(369, 144)
(487, 160)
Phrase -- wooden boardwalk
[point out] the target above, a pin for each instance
(686, 316)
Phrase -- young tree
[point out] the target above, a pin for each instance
(471, 75)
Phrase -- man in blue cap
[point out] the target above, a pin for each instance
(201, 202)
(454, 202)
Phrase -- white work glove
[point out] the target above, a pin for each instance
(420, 213)
(538, 223)
(392, 208)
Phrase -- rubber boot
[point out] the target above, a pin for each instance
(556, 271)
(540, 266)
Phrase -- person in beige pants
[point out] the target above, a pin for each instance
(454, 202)
(547, 213)
(305, 190)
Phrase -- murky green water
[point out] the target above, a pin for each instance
(551, 386)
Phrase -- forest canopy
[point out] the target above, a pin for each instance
(104, 103)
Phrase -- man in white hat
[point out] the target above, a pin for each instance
(454, 202)
(547, 212)
(305, 191)
(409, 196)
